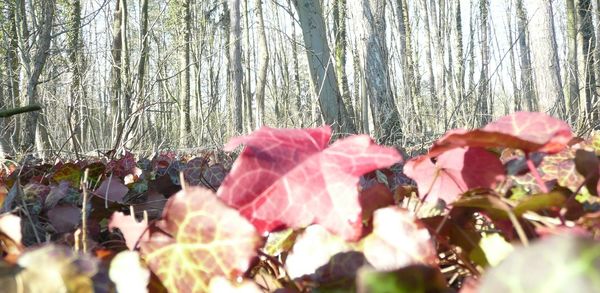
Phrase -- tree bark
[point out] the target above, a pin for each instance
(572, 90)
(321, 66)
(32, 125)
(261, 79)
(483, 98)
(528, 93)
(235, 65)
(185, 124)
(546, 67)
(74, 41)
(370, 16)
(587, 48)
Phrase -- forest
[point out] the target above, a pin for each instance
(155, 75)
(299, 146)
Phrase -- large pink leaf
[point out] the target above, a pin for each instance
(528, 131)
(288, 177)
(454, 172)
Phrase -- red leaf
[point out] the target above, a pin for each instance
(454, 172)
(528, 131)
(64, 218)
(288, 177)
(113, 189)
(198, 238)
(132, 230)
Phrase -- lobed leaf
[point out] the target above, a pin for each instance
(197, 239)
(528, 131)
(289, 178)
(454, 172)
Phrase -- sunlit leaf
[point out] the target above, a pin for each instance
(289, 177)
(132, 230)
(197, 239)
(528, 131)
(313, 249)
(454, 172)
(398, 240)
(564, 263)
(129, 273)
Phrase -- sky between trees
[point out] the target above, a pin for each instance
(180, 74)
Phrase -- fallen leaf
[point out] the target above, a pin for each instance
(197, 239)
(132, 230)
(528, 131)
(290, 178)
(398, 240)
(455, 171)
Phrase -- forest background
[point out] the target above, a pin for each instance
(183, 74)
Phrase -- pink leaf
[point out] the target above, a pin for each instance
(454, 172)
(528, 131)
(288, 177)
(398, 240)
(132, 230)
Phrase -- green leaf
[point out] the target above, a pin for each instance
(562, 263)
(411, 279)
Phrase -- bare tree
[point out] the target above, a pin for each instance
(235, 65)
(263, 66)
(386, 118)
(35, 66)
(546, 67)
(321, 66)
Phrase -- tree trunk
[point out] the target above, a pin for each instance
(235, 65)
(185, 124)
(321, 66)
(528, 93)
(370, 16)
(546, 67)
(341, 43)
(32, 125)
(411, 85)
(483, 98)
(261, 79)
(74, 41)
(115, 76)
(572, 91)
(587, 47)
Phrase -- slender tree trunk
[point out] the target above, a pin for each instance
(341, 43)
(428, 55)
(248, 77)
(370, 16)
(322, 66)
(411, 87)
(572, 91)
(235, 66)
(587, 47)
(117, 45)
(185, 122)
(263, 66)
(528, 93)
(73, 38)
(483, 98)
(32, 125)
(460, 60)
(546, 67)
